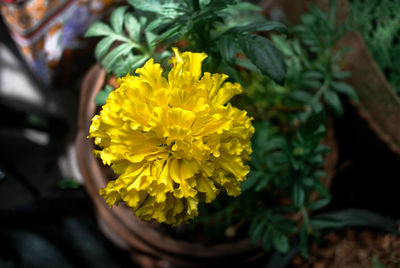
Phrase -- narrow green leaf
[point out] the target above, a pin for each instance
(150, 38)
(252, 179)
(115, 55)
(323, 223)
(280, 242)
(265, 56)
(313, 75)
(322, 149)
(321, 189)
(138, 61)
(311, 83)
(319, 204)
(171, 34)
(132, 26)
(263, 182)
(117, 19)
(298, 195)
(227, 48)
(303, 241)
(333, 101)
(341, 75)
(317, 106)
(345, 89)
(246, 6)
(263, 26)
(257, 231)
(245, 63)
(103, 46)
(301, 96)
(98, 29)
(266, 241)
(159, 24)
(164, 8)
(148, 5)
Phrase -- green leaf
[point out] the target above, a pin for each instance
(333, 101)
(139, 61)
(341, 75)
(323, 223)
(117, 19)
(148, 5)
(345, 89)
(252, 179)
(311, 83)
(103, 46)
(98, 29)
(304, 241)
(280, 242)
(227, 48)
(171, 35)
(115, 55)
(263, 182)
(301, 96)
(322, 149)
(245, 63)
(132, 26)
(321, 189)
(246, 6)
(317, 106)
(168, 9)
(265, 56)
(298, 195)
(263, 26)
(102, 96)
(319, 204)
(313, 75)
(150, 38)
(257, 228)
(266, 241)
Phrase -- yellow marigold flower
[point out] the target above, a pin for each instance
(173, 142)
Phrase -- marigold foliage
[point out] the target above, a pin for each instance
(173, 142)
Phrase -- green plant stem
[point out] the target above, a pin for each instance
(306, 218)
(321, 90)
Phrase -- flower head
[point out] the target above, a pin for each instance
(173, 142)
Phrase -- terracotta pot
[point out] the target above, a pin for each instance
(149, 247)
(379, 104)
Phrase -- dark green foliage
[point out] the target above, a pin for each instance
(209, 26)
(124, 57)
(379, 23)
(264, 55)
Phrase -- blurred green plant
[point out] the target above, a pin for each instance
(379, 24)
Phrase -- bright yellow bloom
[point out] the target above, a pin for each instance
(173, 143)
